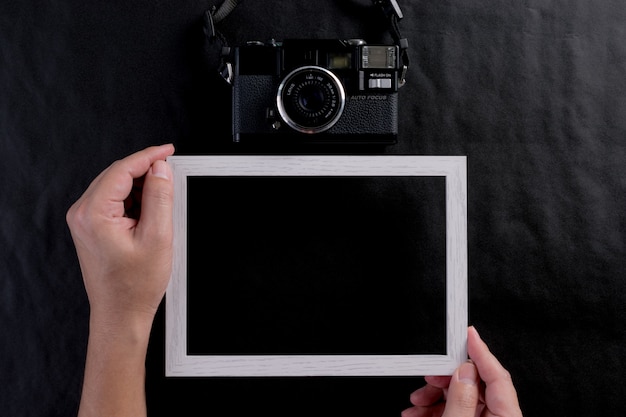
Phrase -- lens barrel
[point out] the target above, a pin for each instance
(310, 99)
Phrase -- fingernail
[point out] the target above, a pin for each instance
(475, 331)
(468, 374)
(160, 169)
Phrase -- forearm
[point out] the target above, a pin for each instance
(114, 381)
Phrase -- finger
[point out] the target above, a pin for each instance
(463, 392)
(417, 411)
(104, 198)
(427, 395)
(157, 199)
(438, 381)
(500, 395)
(116, 182)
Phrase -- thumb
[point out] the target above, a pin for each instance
(463, 394)
(155, 222)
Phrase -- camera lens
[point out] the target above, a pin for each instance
(310, 99)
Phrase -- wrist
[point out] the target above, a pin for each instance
(132, 328)
(115, 365)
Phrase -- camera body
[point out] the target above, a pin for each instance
(315, 91)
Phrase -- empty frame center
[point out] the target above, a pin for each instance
(316, 265)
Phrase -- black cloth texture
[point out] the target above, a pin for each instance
(532, 92)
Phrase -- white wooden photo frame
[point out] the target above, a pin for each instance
(180, 364)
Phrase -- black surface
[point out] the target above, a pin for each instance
(533, 92)
(316, 265)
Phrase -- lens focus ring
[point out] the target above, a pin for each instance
(310, 99)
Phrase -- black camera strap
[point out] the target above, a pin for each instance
(389, 8)
(214, 15)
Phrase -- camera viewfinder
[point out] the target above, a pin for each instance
(339, 60)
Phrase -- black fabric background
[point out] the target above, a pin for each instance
(532, 92)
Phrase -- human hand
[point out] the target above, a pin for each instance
(478, 388)
(122, 230)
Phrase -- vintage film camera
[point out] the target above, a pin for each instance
(333, 91)
(341, 91)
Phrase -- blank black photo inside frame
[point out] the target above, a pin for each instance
(317, 265)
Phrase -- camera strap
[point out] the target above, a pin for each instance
(391, 11)
(389, 8)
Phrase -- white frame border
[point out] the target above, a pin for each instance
(179, 364)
